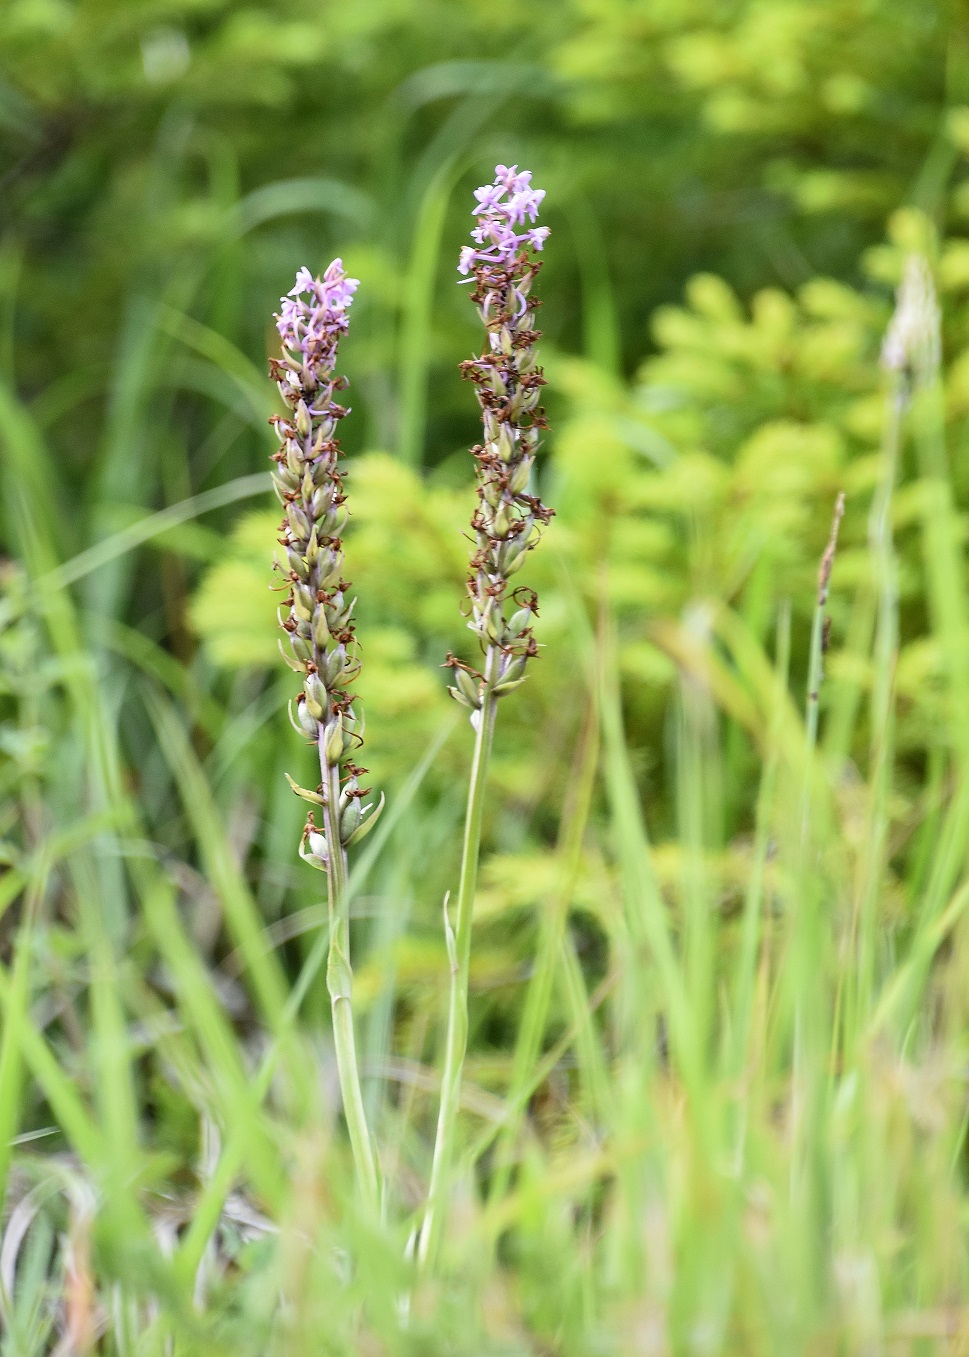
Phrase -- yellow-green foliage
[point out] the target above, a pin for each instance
(234, 608)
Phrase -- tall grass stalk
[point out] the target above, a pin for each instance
(819, 645)
(751, 927)
(874, 859)
(806, 931)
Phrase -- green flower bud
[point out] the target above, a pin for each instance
(514, 670)
(324, 432)
(508, 553)
(303, 602)
(333, 524)
(316, 697)
(313, 859)
(520, 476)
(468, 687)
(350, 819)
(303, 421)
(301, 648)
(298, 521)
(504, 443)
(333, 735)
(367, 823)
(328, 565)
(321, 501)
(349, 672)
(346, 614)
(297, 563)
(518, 622)
(307, 721)
(516, 562)
(316, 843)
(334, 665)
(460, 697)
(321, 632)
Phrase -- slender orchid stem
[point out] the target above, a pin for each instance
(459, 950)
(339, 982)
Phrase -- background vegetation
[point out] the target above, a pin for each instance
(717, 1097)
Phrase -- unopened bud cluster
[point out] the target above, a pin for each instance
(318, 614)
(508, 519)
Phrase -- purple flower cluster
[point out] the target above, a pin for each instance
(312, 327)
(495, 235)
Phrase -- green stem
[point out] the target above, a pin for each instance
(752, 922)
(459, 951)
(816, 668)
(805, 927)
(875, 859)
(339, 982)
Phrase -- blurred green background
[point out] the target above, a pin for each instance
(192, 156)
(733, 187)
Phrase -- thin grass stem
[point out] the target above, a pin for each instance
(882, 713)
(819, 643)
(752, 920)
(805, 933)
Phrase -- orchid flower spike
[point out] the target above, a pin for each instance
(509, 518)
